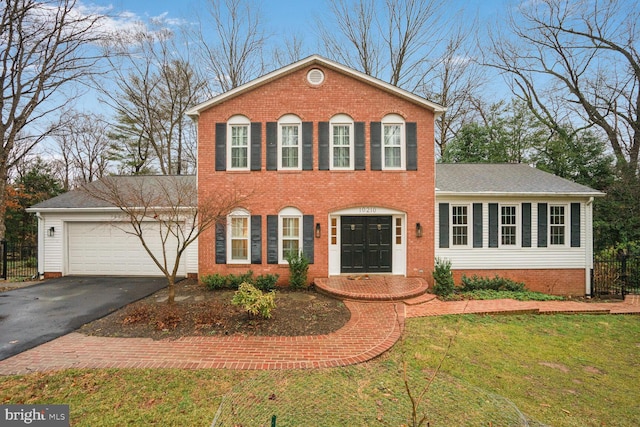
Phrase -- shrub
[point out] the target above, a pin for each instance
(266, 282)
(214, 281)
(235, 280)
(443, 278)
(298, 269)
(496, 283)
(254, 301)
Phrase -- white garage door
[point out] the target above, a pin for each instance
(105, 249)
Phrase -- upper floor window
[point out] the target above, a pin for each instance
(460, 225)
(557, 225)
(290, 227)
(393, 142)
(238, 146)
(508, 225)
(289, 142)
(341, 128)
(238, 223)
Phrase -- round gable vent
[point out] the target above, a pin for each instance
(315, 76)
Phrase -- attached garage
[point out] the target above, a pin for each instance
(81, 235)
(104, 248)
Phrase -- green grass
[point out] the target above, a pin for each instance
(553, 370)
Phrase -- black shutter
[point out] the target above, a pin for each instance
(412, 146)
(221, 243)
(256, 239)
(272, 146)
(323, 146)
(376, 146)
(256, 146)
(444, 224)
(477, 225)
(272, 239)
(542, 225)
(307, 146)
(221, 146)
(307, 237)
(575, 225)
(359, 146)
(493, 225)
(526, 225)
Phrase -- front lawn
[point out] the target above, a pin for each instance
(500, 370)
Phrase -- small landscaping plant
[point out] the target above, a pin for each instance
(298, 269)
(496, 283)
(443, 278)
(487, 288)
(254, 301)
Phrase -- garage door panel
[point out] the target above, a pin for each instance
(106, 249)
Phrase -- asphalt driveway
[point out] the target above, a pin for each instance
(36, 314)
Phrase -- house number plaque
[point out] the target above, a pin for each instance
(367, 209)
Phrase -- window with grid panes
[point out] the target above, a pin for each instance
(508, 225)
(557, 225)
(460, 225)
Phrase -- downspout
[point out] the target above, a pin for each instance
(40, 246)
(589, 246)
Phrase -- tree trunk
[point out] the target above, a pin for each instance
(171, 287)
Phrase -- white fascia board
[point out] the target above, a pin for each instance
(438, 110)
(96, 210)
(516, 194)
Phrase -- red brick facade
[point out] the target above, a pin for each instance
(549, 281)
(320, 192)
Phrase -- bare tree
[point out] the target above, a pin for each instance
(156, 84)
(82, 148)
(393, 40)
(235, 54)
(43, 51)
(292, 51)
(455, 82)
(164, 207)
(569, 58)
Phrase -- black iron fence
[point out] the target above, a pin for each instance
(19, 261)
(616, 275)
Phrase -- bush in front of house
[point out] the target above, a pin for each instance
(298, 269)
(264, 282)
(254, 301)
(443, 278)
(496, 283)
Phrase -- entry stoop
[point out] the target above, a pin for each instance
(372, 287)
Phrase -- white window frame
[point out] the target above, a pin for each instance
(341, 120)
(289, 120)
(517, 225)
(467, 225)
(564, 225)
(288, 213)
(394, 120)
(238, 214)
(238, 121)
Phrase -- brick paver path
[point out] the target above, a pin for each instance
(372, 329)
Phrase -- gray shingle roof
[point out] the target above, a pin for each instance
(82, 198)
(466, 178)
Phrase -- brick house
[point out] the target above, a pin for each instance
(341, 166)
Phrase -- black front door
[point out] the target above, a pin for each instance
(365, 244)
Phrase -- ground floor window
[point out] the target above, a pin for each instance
(238, 232)
(290, 238)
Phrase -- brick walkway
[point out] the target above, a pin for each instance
(372, 329)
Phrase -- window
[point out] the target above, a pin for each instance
(557, 225)
(290, 232)
(289, 142)
(508, 225)
(238, 143)
(393, 142)
(460, 225)
(341, 142)
(238, 232)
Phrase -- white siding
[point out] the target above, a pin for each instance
(518, 257)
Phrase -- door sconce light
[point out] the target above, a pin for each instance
(52, 231)
(418, 229)
(317, 230)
